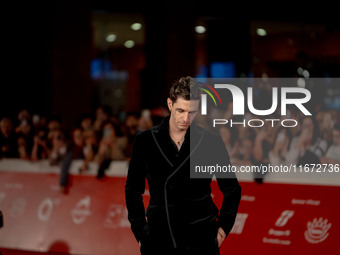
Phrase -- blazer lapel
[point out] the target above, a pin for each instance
(162, 140)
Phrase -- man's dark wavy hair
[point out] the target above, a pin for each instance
(186, 88)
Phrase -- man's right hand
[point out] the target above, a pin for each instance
(220, 236)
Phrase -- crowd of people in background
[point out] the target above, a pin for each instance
(310, 139)
(99, 137)
(103, 137)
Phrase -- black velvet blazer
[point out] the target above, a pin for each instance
(180, 206)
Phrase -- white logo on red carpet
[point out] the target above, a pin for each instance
(18, 207)
(82, 210)
(276, 235)
(45, 209)
(239, 223)
(116, 217)
(283, 219)
(275, 232)
(317, 230)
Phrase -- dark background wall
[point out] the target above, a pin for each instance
(48, 48)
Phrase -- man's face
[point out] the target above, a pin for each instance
(182, 112)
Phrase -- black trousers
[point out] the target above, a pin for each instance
(157, 245)
(177, 251)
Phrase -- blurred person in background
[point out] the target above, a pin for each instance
(41, 148)
(74, 151)
(23, 150)
(59, 147)
(112, 146)
(36, 124)
(8, 141)
(90, 147)
(85, 122)
(90, 138)
(26, 131)
(145, 121)
(333, 152)
(262, 144)
(102, 115)
(39, 122)
(25, 124)
(244, 154)
(245, 131)
(130, 129)
(326, 123)
(54, 123)
(282, 140)
(230, 138)
(307, 147)
(24, 114)
(292, 113)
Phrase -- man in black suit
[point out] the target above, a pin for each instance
(181, 217)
